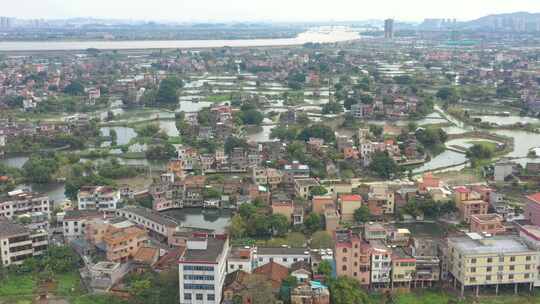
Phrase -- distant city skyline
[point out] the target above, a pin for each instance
(264, 10)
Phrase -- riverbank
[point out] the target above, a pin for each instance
(314, 36)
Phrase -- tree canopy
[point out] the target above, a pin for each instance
(383, 165)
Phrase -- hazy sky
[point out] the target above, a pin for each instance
(276, 10)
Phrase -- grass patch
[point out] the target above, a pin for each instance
(17, 285)
(97, 299)
(218, 98)
(174, 140)
(67, 284)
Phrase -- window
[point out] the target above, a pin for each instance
(501, 268)
(472, 279)
(488, 269)
(284, 259)
(528, 258)
(344, 268)
(473, 269)
(473, 261)
(211, 297)
(199, 296)
(501, 259)
(510, 276)
(187, 296)
(232, 266)
(344, 259)
(512, 259)
(512, 267)
(200, 277)
(198, 268)
(488, 278)
(344, 250)
(528, 267)
(489, 260)
(199, 286)
(526, 276)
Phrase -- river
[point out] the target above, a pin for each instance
(315, 36)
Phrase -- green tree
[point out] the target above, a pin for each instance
(162, 151)
(313, 222)
(345, 290)
(279, 224)
(168, 90)
(60, 259)
(318, 190)
(479, 152)
(288, 284)
(40, 169)
(238, 227)
(251, 117)
(361, 215)
(149, 130)
(448, 94)
(317, 131)
(332, 108)
(75, 88)
(325, 268)
(383, 165)
(376, 130)
(258, 289)
(140, 289)
(234, 142)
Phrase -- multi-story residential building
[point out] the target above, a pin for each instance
(302, 187)
(156, 224)
(122, 243)
(403, 269)
(353, 257)
(319, 204)
(241, 258)
(487, 223)
(469, 203)
(381, 200)
(477, 260)
(202, 270)
(469, 208)
(331, 220)
(102, 198)
(21, 202)
(312, 293)
(348, 203)
(266, 176)
(281, 255)
(297, 170)
(18, 243)
(530, 234)
(74, 222)
(532, 210)
(284, 207)
(428, 263)
(375, 231)
(337, 187)
(381, 265)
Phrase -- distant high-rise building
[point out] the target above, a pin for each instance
(5, 22)
(389, 28)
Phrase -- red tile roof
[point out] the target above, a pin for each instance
(350, 197)
(462, 190)
(274, 272)
(535, 197)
